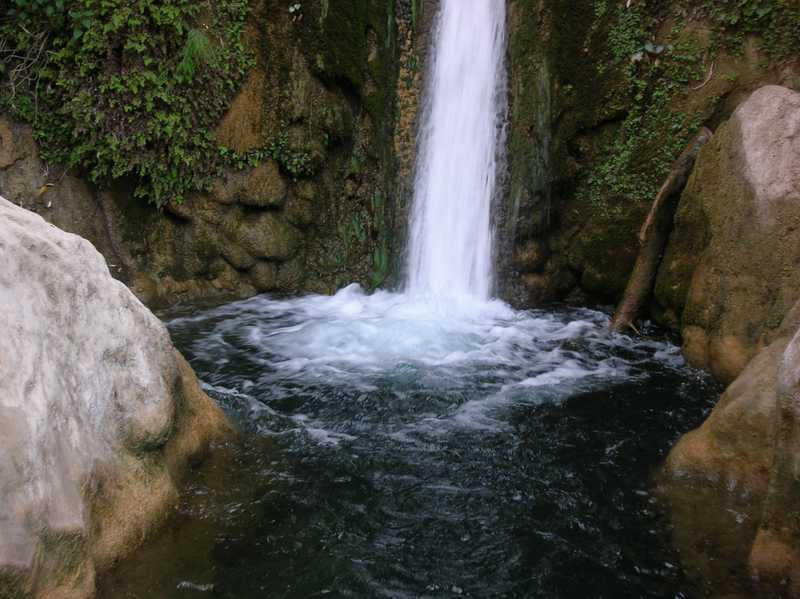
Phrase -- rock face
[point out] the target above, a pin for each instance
(99, 414)
(745, 460)
(265, 186)
(730, 272)
(311, 128)
(587, 152)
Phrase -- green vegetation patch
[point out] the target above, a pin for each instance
(775, 22)
(659, 76)
(293, 162)
(125, 88)
(653, 132)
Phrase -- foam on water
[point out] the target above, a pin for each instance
(392, 448)
(482, 355)
(444, 333)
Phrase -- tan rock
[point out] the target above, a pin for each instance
(773, 559)
(237, 256)
(16, 143)
(226, 189)
(730, 268)
(728, 355)
(300, 212)
(695, 346)
(530, 257)
(264, 186)
(744, 461)
(306, 190)
(268, 236)
(241, 127)
(292, 274)
(536, 285)
(729, 448)
(265, 276)
(182, 209)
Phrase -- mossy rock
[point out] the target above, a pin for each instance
(264, 186)
(265, 276)
(605, 249)
(266, 235)
(351, 45)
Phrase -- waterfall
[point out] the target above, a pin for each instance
(450, 245)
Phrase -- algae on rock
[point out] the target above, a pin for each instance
(604, 96)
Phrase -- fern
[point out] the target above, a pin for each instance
(196, 52)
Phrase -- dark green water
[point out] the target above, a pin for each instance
(389, 450)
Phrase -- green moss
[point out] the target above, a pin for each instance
(775, 22)
(653, 132)
(658, 75)
(352, 44)
(603, 100)
(585, 40)
(293, 161)
(343, 47)
(139, 216)
(122, 88)
(686, 248)
(605, 250)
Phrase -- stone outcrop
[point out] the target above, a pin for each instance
(265, 187)
(99, 414)
(730, 278)
(744, 460)
(730, 272)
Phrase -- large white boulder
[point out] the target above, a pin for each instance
(98, 412)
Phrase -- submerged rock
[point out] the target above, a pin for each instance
(730, 271)
(99, 414)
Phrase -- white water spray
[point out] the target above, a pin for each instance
(444, 334)
(450, 246)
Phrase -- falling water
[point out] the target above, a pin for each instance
(461, 138)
